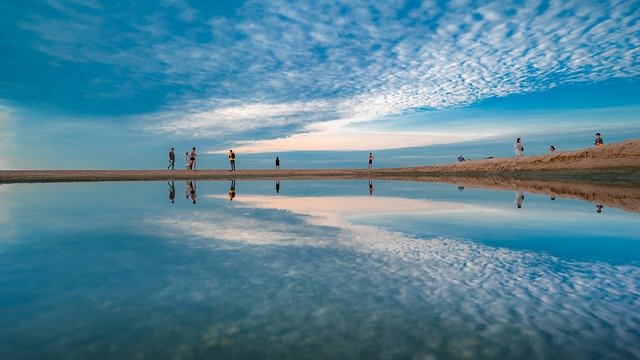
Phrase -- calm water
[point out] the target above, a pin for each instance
(319, 269)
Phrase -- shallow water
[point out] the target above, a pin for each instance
(338, 269)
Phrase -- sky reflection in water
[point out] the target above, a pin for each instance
(313, 269)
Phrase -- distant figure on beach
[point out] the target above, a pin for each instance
(461, 158)
(552, 149)
(232, 160)
(370, 161)
(598, 141)
(172, 160)
(370, 187)
(186, 160)
(599, 208)
(277, 162)
(277, 186)
(232, 190)
(518, 147)
(192, 158)
(519, 199)
(191, 189)
(172, 192)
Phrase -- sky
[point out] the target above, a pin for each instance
(115, 84)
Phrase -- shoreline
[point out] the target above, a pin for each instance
(619, 175)
(611, 163)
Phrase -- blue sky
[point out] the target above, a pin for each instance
(115, 84)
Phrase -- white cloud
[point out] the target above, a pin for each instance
(301, 64)
(470, 285)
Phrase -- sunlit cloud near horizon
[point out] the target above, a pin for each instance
(82, 82)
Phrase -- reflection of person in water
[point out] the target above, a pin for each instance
(370, 187)
(191, 189)
(553, 198)
(599, 208)
(277, 186)
(232, 190)
(172, 192)
(519, 199)
(461, 188)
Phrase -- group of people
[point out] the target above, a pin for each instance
(190, 160)
(519, 148)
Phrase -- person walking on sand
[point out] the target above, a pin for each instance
(518, 147)
(232, 160)
(277, 162)
(172, 160)
(192, 158)
(370, 161)
(598, 141)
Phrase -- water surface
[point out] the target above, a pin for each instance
(313, 269)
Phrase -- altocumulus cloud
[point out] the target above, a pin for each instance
(319, 66)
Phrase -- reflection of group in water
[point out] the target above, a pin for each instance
(190, 190)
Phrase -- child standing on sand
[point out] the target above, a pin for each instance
(518, 147)
(370, 160)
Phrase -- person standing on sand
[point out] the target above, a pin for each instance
(598, 141)
(518, 147)
(370, 161)
(172, 160)
(277, 162)
(232, 160)
(192, 158)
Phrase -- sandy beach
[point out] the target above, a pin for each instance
(608, 175)
(618, 162)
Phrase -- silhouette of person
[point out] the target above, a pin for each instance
(172, 160)
(461, 188)
(370, 187)
(232, 190)
(277, 162)
(370, 161)
(519, 199)
(191, 188)
(599, 208)
(172, 192)
(277, 186)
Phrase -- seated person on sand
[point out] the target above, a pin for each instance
(461, 158)
(598, 141)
